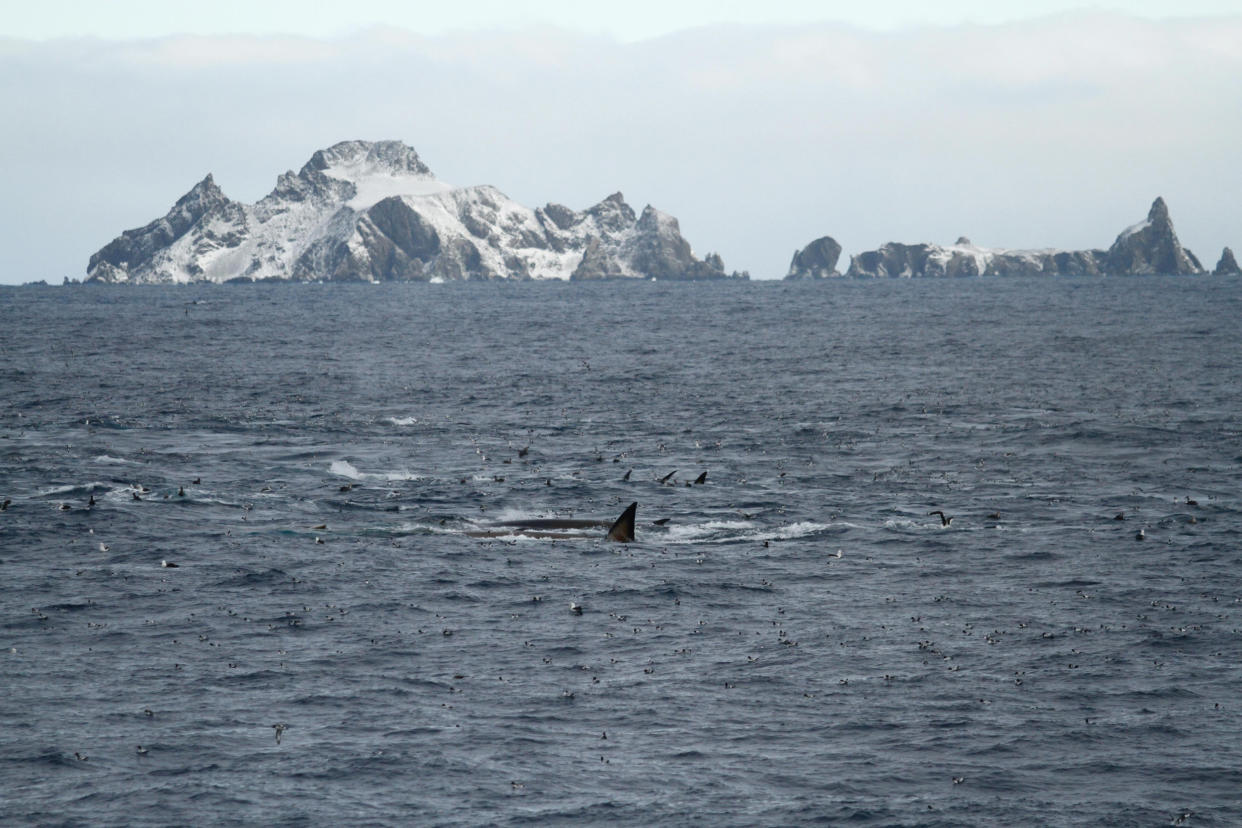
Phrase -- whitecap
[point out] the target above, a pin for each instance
(344, 468)
(729, 531)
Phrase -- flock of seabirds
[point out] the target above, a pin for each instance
(620, 530)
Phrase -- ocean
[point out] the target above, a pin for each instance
(798, 641)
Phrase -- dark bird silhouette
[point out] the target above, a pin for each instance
(668, 476)
(701, 479)
(945, 520)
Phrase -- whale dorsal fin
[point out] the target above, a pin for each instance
(623, 530)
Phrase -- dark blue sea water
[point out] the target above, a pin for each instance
(800, 643)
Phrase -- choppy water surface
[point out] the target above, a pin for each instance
(801, 642)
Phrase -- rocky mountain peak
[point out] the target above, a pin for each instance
(372, 211)
(201, 197)
(1159, 212)
(613, 213)
(393, 157)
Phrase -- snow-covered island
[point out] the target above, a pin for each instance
(1149, 247)
(372, 211)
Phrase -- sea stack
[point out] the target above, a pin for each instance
(818, 260)
(1228, 265)
(1147, 248)
(1151, 248)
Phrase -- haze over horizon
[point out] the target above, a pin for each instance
(758, 135)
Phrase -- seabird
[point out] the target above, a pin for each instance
(945, 520)
(701, 479)
(627, 475)
(142, 751)
(280, 729)
(169, 564)
(1140, 535)
(103, 547)
(668, 476)
(575, 608)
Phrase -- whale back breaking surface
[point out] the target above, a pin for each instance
(620, 530)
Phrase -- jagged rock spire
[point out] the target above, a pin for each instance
(1228, 265)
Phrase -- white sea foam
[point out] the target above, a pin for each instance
(344, 468)
(727, 531)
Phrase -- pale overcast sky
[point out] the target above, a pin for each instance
(630, 20)
(1017, 124)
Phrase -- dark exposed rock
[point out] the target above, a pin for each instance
(612, 213)
(1147, 248)
(560, 215)
(1151, 248)
(818, 260)
(1228, 265)
(892, 260)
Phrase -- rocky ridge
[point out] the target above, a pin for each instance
(1149, 247)
(373, 211)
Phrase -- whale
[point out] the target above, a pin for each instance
(620, 530)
